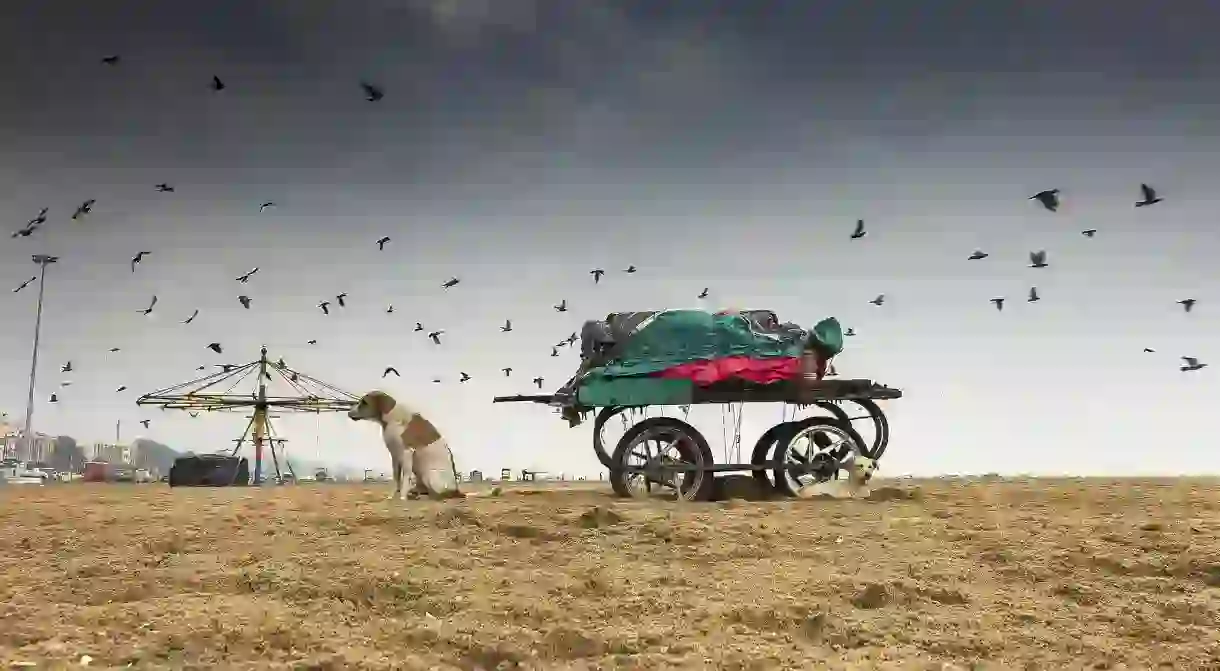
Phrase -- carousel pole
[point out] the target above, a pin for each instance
(260, 418)
(43, 260)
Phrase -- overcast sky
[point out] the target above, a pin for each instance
(521, 143)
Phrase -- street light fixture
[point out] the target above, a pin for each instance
(43, 260)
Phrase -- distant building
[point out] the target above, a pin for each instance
(111, 453)
(40, 448)
(476, 476)
(506, 474)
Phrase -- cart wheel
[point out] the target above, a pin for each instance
(651, 444)
(599, 427)
(881, 427)
(880, 434)
(815, 448)
(765, 447)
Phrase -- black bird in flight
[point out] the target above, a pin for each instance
(145, 422)
(202, 368)
(436, 380)
(192, 317)
(1038, 259)
(1191, 363)
(66, 368)
(54, 399)
(388, 370)
(977, 255)
(1149, 350)
(266, 206)
(371, 93)
(217, 85)
(342, 298)
(998, 303)
(325, 307)
(554, 351)
(878, 300)
(137, 258)
(453, 282)
(1188, 304)
(508, 370)
(597, 275)
(165, 188)
(508, 326)
(381, 242)
(25, 284)
(850, 332)
(111, 60)
(389, 309)
(311, 342)
(193, 414)
(85, 208)
(703, 294)
(121, 388)
(572, 338)
(148, 310)
(436, 336)
(419, 326)
(562, 307)
(246, 278)
(32, 225)
(859, 232)
(538, 381)
(1089, 232)
(1033, 295)
(1048, 198)
(114, 349)
(464, 378)
(1150, 197)
(244, 300)
(630, 269)
(215, 347)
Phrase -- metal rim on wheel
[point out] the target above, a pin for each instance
(815, 452)
(599, 427)
(653, 450)
(654, 444)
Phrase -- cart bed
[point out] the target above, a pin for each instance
(642, 391)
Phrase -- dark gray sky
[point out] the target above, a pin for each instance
(722, 144)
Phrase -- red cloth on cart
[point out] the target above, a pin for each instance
(758, 370)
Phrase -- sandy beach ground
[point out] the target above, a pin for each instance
(939, 574)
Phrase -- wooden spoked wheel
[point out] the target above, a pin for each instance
(645, 455)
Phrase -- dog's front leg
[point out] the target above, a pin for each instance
(396, 465)
(407, 473)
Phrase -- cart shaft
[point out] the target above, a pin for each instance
(524, 398)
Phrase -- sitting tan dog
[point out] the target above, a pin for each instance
(418, 452)
(859, 472)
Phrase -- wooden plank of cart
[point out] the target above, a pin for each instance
(670, 454)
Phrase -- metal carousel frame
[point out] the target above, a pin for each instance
(315, 396)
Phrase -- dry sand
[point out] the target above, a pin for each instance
(1064, 574)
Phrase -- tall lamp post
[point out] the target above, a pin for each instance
(43, 260)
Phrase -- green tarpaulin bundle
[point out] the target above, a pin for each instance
(674, 337)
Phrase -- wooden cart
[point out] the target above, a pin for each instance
(669, 453)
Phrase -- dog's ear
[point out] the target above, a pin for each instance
(381, 402)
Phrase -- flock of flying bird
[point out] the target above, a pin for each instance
(1049, 200)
